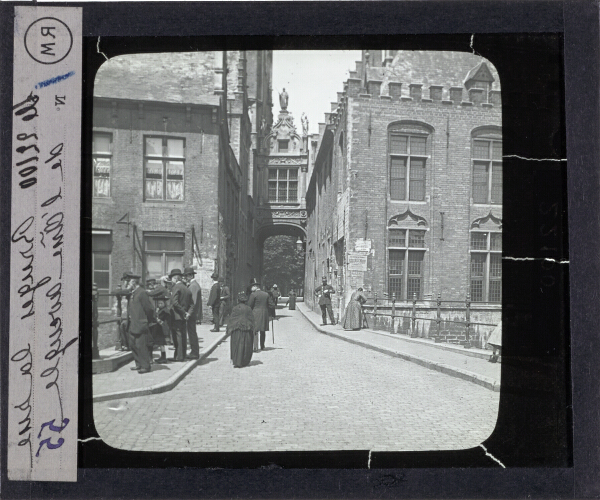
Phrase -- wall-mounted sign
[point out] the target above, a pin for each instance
(357, 261)
(362, 245)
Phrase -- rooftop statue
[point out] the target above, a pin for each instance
(283, 100)
(304, 121)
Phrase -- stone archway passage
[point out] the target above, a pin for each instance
(281, 261)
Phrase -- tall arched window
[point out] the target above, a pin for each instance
(486, 266)
(486, 154)
(408, 146)
(406, 246)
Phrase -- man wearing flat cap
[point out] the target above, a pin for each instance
(214, 301)
(194, 288)
(141, 315)
(324, 292)
(182, 305)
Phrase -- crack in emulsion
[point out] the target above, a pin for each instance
(98, 49)
(89, 439)
(533, 159)
(492, 456)
(547, 259)
(369, 462)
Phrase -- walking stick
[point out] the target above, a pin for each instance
(272, 331)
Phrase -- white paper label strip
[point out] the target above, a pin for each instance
(45, 215)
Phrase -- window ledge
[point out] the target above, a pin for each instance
(486, 305)
(103, 200)
(162, 204)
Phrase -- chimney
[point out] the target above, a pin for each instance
(374, 88)
(416, 91)
(395, 90)
(435, 92)
(476, 95)
(456, 94)
(354, 87)
(496, 97)
(376, 58)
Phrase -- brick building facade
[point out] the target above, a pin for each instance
(173, 164)
(405, 198)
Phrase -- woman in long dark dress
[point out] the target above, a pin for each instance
(353, 315)
(240, 328)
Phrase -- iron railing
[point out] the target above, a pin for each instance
(119, 295)
(374, 306)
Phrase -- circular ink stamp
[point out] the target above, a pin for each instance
(48, 40)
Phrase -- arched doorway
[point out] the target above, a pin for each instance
(282, 257)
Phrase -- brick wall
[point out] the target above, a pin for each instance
(199, 208)
(448, 187)
(364, 121)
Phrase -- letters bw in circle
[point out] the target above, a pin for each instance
(48, 40)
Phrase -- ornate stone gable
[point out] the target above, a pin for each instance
(284, 130)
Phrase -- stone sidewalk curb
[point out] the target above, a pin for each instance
(168, 384)
(475, 378)
(111, 362)
(472, 352)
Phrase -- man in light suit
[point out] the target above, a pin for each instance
(196, 315)
(141, 315)
(214, 300)
(182, 305)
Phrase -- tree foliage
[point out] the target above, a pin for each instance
(283, 264)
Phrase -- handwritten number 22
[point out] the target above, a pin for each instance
(47, 441)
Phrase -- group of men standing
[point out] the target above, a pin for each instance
(173, 315)
(177, 308)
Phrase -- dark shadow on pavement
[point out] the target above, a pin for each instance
(158, 366)
(255, 363)
(272, 348)
(205, 361)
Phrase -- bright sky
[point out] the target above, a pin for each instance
(312, 79)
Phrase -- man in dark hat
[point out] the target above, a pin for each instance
(258, 301)
(194, 288)
(141, 315)
(214, 299)
(223, 301)
(161, 331)
(324, 292)
(182, 305)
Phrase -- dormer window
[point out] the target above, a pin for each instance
(480, 77)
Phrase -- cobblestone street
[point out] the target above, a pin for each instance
(307, 391)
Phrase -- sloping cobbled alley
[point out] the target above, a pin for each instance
(307, 391)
